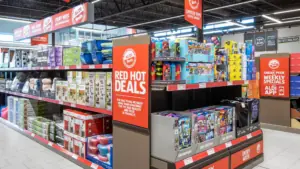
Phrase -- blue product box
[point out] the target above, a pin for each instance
(295, 78)
(295, 92)
(295, 85)
(249, 76)
(196, 52)
(86, 58)
(99, 152)
(198, 73)
(98, 45)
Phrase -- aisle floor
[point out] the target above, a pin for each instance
(282, 151)
(19, 152)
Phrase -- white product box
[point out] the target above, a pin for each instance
(91, 93)
(72, 90)
(109, 90)
(100, 89)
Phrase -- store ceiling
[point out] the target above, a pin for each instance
(124, 13)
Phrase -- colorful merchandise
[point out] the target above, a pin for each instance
(196, 52)
(198, 73)
(221, 65)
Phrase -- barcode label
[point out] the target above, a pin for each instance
(181, 87)
(94, 166)
(229, 144)
(50, 144)
(211, 151)
(249, 136)
(75, 156)
(188, 161)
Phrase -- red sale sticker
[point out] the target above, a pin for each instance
(131, 84)
(274, 77)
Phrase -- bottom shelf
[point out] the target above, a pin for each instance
(53, 146)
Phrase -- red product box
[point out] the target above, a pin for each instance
(295, 55)
(85, 124)
(75, 144)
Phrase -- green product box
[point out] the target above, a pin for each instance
(71, 56)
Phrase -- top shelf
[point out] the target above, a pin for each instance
(73, 67)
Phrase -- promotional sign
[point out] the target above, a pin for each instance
(75, 16)
(263, 41)
(131, 84)
(193, 12)
(243, 156)
(274, 77)
(220, 164)
(288, 39)
(39, 40)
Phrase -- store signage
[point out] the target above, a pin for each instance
(75, 16)
(245, 155)
(274, 77)
(220, 164)
(288, 39)
(131, 84)
(193, 12)
(263, 41)
(40, 40)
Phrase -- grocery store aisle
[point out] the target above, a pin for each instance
(19, 152)
(282, 150)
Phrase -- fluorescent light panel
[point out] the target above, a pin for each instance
(227, 6)
(88, 30)
(14, 20)
(292, 21)
(272, 19)
(287, 11)
(96, 1)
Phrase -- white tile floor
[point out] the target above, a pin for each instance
(282, 151)
(19, 152)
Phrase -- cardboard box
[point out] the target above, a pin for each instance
(71, 76)
(100, 90)
(91, 94)
(75, 144)
(109, 90)
(72, 93)
(86, 125)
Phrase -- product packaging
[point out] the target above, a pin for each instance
(100, 89)
(71, 56)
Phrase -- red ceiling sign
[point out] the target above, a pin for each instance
(75, 16)
(193, 12)
(40, 40)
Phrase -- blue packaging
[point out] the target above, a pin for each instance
(173, 71)
(86, 58)
(196, 52)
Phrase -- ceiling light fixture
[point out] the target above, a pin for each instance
(272, 19)
(96, 1)
(88, 30)
(228, 6)
(237, 24)
(15, 20)
(268, 24)
(287, 11)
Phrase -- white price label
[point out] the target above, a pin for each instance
(181, 87)
(202, 85)
(94, 166)
(61, 102)
(50, 144)
(40, 98)
(78, 67)
(249, 136)
(228, 144)
(75, 156)
(57, 67)
(246, 82)
(32, 134)
(188, 161)
(229, 83)
(211, 151)
(73, 105)
(105, 66)
(42, 68)
(92, 66)
(67, 67)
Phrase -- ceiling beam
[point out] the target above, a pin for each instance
(24, 8)
(269, 3)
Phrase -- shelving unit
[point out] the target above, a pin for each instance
(73, 67)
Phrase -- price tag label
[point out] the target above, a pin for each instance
(94, 166)
(57, 68)
(32, 134)
(61, 102)
(40, 98)
(202, 85)
(92, 66)
(73, 105)
(78, 67)
(188, 161)
(181, 87)
(211, 151)
(50, 144)
(228, 144)
(246, 82)
(67, 67)
(249, 136)
(42, 68)
(229, 83)
(75, 156)
(105, 66)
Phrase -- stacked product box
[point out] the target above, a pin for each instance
(190, 132)
(194, 51)
(198, 72)
(10, 105)
(42, 56)
(295, 62)
(96, 52)
(72, 87)
(61, 92)
(56, 132)
(100, 150)
(235, 67)
(71, 56)
(295, 86)
(39, 126)
(221, 65)
(79, 125)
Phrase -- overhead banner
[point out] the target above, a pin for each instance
(39, 40)
(275, 76)
(193, 12)
(263, 41)
(288, 39)
(78, 15)
(131, 84)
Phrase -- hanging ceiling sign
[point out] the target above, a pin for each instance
(193, 12)
(78, 15)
